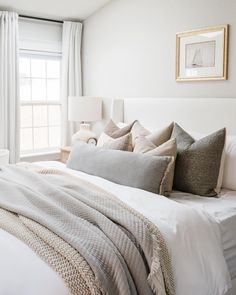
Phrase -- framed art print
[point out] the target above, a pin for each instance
(202, 54)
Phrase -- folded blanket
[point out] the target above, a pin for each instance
(93, 240)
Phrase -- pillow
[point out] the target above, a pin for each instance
(158, 137)
(112, 131)
(168, 148)
(229, 176)
(125, 168)
(123, 143)
(197, 135)
(121, 124)
(139, 130)
(198, 162)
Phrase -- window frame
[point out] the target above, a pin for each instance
(49, 150)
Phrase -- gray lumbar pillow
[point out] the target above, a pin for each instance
(126, 168)
(198, 162)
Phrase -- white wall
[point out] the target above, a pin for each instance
(129, 48)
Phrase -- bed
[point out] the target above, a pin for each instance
(199, 116)
(209, 219)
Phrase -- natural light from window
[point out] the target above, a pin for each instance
(40, 103)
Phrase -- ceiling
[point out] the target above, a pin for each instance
(54, 9)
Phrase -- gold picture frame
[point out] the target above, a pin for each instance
(202, 54)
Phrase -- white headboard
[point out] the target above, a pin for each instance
(201, 115)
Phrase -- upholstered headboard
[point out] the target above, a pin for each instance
(201, 115)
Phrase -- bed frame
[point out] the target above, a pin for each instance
(201, 115)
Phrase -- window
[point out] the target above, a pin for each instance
(40, 108)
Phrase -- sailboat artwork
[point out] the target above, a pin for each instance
(200, 54)
(197, 59)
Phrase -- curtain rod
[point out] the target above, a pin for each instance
(41, 18)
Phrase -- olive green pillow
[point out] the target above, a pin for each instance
(198, 162)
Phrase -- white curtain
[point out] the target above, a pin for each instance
(71, 73)
(9, 84)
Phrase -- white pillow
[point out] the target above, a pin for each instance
(229, 177)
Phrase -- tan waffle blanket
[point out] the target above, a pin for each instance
(94, 241)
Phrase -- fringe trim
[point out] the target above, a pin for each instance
(162, 189)
(155, 278)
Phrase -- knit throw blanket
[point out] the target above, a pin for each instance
(96, 243)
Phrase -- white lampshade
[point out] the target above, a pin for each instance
(84, 109)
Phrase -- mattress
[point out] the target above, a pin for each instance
(223, 211)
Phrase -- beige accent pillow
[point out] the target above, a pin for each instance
(139, 130)
(157, 138)
(168, 148)
(123, 143)
(114, 131)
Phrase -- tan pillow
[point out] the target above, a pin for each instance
(160, 136)
(143, 145)
(168, 148)
(139, 130)
(157, 138)
(123, 143)
(114, 131)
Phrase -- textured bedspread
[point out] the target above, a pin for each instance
(94, 241)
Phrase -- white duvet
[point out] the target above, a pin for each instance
(192, 236)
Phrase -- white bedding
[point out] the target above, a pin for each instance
(223, 211)
(198, 262)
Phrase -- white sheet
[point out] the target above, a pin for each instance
(223, 211)
(198, 262)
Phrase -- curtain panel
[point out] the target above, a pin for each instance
(71, 74)
(9, 84)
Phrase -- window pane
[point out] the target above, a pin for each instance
(40, 116)
(54, 136)
(38, 89)
(26, 116)
(24, 67)
(25, 91)
(40, 84)
(53, 89)
(26, 142)
(54, 115)
(53, 69)
(38, 68)
(40, 138)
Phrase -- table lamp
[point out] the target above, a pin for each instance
(84, 110)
